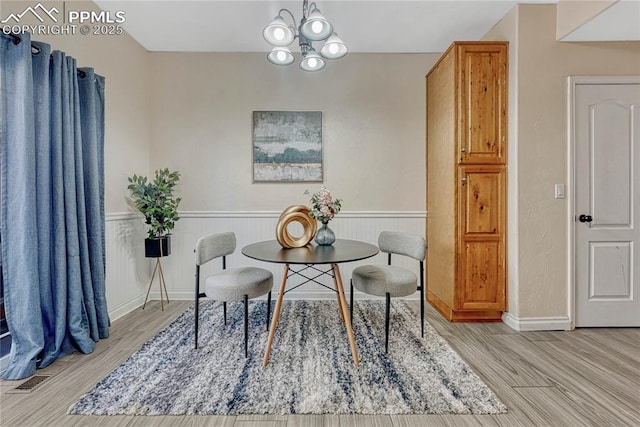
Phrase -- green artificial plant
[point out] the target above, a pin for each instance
(155, 200)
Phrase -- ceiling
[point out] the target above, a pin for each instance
(399, 26)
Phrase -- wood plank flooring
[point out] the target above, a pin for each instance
(587, 377)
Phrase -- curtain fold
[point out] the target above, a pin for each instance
(52, 169)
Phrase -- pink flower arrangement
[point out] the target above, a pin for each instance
(323, 206)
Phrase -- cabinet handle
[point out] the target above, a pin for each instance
(463, 150)
(464, 180)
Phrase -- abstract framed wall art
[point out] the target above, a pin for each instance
(287, 146)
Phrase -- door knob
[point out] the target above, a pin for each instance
(585, 218)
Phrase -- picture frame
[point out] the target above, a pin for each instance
(287, 146)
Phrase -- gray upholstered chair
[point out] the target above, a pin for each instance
(234, 284)
(389, 280)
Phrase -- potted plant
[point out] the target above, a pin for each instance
(155, 200)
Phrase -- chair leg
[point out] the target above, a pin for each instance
(422, 311)
(268, 309)
(196, 320)
(224, 311)
(386, 324)
(246, 325)
(422, 290)
(197, 304)
(351, 302)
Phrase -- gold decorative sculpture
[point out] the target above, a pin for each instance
(298, 213)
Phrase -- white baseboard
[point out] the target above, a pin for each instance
(126, 308)
(529, 324)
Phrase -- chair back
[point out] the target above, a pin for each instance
(411, 245)
(215, 246)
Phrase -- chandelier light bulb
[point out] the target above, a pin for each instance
(317, 27)
(334, 48)
(278, 34)
(312, 62)
(280, 56)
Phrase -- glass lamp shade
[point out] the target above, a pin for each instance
(312, 62)
(278, 33)
(316, 27)
(334, 48)
(280, 56)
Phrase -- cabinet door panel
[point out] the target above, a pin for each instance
(482, 77)
(481, 281)
(482, 200)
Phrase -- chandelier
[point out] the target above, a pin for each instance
(313, 27)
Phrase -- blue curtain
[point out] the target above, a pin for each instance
(52, 204)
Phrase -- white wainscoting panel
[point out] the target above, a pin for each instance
(128, 271)
(250, 227)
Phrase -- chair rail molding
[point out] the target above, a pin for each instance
(119, 216)
(276, 214)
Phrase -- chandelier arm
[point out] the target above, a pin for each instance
(293, 18)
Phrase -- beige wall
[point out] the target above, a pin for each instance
(125, 65)
(543, 64)
(373, 117)
(507, 29)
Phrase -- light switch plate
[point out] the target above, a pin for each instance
(559, 191)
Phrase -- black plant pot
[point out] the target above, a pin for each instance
(157, 247)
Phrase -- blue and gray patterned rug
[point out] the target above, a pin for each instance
(310, 371)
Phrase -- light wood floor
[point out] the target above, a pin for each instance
(579, 378)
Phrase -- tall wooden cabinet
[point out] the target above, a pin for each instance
(466, 181)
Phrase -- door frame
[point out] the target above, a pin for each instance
(572, 82)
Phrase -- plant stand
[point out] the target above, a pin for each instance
(157, 248)
(161, 284)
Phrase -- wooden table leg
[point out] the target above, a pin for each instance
(339, 305)
(345, 314)
(276, 316)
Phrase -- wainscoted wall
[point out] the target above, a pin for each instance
(128, 272)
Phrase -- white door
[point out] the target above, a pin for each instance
(607, 202)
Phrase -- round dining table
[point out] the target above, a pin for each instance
(304, 262)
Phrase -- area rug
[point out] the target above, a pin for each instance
(311, 370)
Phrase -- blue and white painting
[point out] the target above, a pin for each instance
(287, 146)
